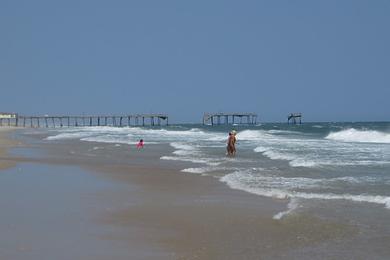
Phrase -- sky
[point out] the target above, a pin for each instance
(329, 59)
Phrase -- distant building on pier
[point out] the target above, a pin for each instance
(229, 118)
(294, 118)
(4, 115)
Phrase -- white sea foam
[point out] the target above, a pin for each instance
(205, 169)
(216, 138)
(183, 146)
(291, 206)
(360, 136)
(358, 180)
(114, 139)
(183, 152)
(260, 149)
(108, 139)
(294, 159)
(308, 152)
(189, 152)
(183, 149)
(281, 132)
(251, 178)
(68, 135)
(252, 135)
(193, 160)
(305, 163)
(238, 180)
(274, 155)
(197, 170)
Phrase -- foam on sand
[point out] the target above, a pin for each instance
(291, 206)
(187, 152)
(284, 188)
(206, 169)
(68, 136)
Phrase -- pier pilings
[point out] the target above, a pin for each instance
(85, 121)
(229, 118)
(294, 118)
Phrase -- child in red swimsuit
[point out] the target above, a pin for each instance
(140, 144)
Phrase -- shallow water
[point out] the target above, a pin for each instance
(316, 161)
(343, 182)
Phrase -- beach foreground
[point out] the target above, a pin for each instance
(5, 144)
(136, 206)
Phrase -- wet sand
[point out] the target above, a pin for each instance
(153, 211)
(5, 144)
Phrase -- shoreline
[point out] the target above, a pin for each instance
(176, 215)
(7, 143)
(202, 214)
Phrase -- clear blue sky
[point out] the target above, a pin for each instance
(327, 59)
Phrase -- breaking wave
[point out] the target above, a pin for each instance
(287, 189)
(360, 136)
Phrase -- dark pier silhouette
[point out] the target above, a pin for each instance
(229, 118)
(294, 117)
(7, 119)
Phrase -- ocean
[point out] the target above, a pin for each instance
(311, 164)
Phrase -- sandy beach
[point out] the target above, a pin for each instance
(5, 144)
(151, 210)
(194, 130)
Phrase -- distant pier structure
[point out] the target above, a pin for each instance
(13, 119)
(294, 118)
(229, 118)
(8, 118)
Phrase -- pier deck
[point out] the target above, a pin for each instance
(294, 117)
(229, 118)
(91, 120)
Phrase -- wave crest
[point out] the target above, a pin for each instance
(244, 181)
(360, 136)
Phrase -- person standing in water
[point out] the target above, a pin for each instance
(231, 144)
(234, 142)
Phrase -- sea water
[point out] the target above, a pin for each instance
(312, 162)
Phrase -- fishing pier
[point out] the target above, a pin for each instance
(294, 117)
(12, 119)
(229, 118)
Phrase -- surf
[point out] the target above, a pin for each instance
(242, 181)
(360, 136)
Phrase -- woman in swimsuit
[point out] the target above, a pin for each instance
(231, 142)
